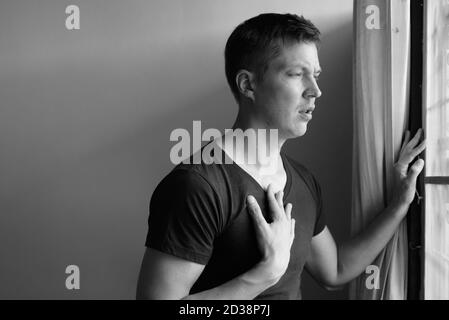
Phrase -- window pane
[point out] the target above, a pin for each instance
(436, 265)
(436, 88)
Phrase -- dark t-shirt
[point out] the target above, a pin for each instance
(198, 213)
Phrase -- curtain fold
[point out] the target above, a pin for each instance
(381, 91)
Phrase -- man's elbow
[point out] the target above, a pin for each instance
(154, 292)
(332, 284)
(337, 281)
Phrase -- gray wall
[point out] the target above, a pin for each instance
(85, 118)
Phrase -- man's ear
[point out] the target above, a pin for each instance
(245, 81)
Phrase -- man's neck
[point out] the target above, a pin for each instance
(261, 155)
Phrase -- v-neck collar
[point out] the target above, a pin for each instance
(287, 186)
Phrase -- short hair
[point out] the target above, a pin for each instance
(255, 42)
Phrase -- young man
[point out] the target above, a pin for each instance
(221, 230)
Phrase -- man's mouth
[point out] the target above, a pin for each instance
(306, 115)
(308, 109)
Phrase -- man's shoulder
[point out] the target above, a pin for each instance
(299, 167)
(305, 174)
(189, 176)
(195, 177)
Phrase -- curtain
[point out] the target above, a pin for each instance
(381, 92)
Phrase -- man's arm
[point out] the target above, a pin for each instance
(334, 266)
(164, 276)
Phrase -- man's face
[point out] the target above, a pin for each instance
(285, 97)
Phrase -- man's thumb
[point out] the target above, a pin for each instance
(416, 169)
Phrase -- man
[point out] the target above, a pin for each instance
(221, 230)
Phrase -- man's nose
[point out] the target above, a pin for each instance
(313, 91)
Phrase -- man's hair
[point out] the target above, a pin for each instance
(255, 42)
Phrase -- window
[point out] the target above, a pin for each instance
(436, 124)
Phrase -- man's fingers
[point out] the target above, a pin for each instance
(420, 148)
(416, 169)
(288, 210)
(415, 139)
(407, 158)
(278, 197)
(255, 212)
(406, 140)
(415, 152)
(292, 230)
(273, 203)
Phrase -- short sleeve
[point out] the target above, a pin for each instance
(184, 216)
(320, 222)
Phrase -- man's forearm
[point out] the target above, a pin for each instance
(244, 287)
(357, 253)
(354, 256)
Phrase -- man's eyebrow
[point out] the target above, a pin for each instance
(304, 67)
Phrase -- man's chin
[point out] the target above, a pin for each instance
(300, 131)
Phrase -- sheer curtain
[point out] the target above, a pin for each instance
(381, 91)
